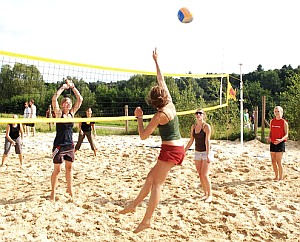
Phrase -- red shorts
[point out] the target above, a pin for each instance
(171, 153)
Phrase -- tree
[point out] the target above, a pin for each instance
(290, 100)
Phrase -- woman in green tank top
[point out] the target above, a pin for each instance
(172, 149)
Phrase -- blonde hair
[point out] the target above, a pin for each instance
(280, 109)
(65, 99)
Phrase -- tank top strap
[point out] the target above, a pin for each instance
(164, 114)
(202, 128)
(62, 115)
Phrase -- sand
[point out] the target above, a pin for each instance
(247, 204)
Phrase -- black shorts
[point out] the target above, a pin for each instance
(277, 148)
(64, 153)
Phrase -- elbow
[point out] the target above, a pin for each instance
(143, 137)
(80, 100)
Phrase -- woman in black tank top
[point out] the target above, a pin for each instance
(63, 147)
(13, 137)
(200, 133)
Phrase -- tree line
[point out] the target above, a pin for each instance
(22, 82)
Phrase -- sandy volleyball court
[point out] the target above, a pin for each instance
(247, 204)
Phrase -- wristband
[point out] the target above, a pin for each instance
(137, 117)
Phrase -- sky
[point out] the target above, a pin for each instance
(123, 34)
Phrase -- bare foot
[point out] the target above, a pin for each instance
(203, 197)
(128, 209)
(141, 227)
(70, 192)
(52, 197)
(275, 179)
(208, 199)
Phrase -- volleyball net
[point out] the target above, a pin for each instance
(23, 77)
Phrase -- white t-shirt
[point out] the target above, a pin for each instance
(33, 111)
(27, 112)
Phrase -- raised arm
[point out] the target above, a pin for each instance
(68, 85)
(79, 100)
(55, 103)
(160, 77)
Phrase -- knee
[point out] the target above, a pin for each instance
(203, 175)
(157, 185)
(150, 177)
(68, 168)
(56, 172)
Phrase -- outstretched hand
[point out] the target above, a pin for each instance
(154, 54)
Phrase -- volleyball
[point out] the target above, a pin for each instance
(184, 15)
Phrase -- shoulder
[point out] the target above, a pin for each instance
(285, 122)
(206, 127)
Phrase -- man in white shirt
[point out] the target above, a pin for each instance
(32, 115)
(27, 112)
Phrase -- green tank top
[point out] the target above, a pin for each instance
(170, 130)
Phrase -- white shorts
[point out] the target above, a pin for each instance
(202, 155)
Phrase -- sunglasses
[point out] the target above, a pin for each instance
(199, 113)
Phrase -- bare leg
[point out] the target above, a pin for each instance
(205, 167)
(27, 130)
(198, 164)
(279, 165)
(4, 159)
(21, 159)
(69, 177)
(54, 180)
(274, 164)
(143, 193)
(159, 175)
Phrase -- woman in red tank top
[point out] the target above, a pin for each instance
(277, 138)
